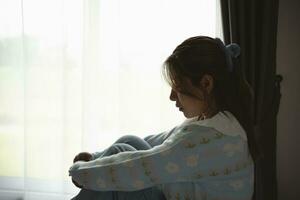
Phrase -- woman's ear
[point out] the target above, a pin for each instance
(207, 83)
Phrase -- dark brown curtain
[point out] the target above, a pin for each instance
(253, 25)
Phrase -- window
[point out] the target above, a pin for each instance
(77, 74)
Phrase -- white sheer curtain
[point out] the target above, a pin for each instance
(77, 74)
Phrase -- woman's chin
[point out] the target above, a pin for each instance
(187, 115)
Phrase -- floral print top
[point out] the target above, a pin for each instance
(196, 160)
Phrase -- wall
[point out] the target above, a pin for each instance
(288, 135)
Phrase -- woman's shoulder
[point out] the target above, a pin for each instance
(222, 124)
(196, 132)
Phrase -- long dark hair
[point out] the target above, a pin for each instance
(202, 55)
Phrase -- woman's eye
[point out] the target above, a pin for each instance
(177, 90)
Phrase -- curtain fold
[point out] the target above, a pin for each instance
(253, 25)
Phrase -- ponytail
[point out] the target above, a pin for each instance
(244, 112)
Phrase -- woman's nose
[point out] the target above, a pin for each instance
(173, 95)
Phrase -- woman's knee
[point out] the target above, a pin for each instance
(134, 141)
(128, 138)
(117, 148)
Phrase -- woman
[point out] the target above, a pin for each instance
(208, 156)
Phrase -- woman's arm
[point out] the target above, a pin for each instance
(193, 152)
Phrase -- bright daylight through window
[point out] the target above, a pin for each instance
(75, 75)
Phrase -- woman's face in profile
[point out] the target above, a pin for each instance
(189, 105)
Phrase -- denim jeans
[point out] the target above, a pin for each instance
(125, 143)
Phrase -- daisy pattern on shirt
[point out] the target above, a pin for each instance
(138, 184)
(101, 183)
(230, 149)
(172, 168)
(192, 160)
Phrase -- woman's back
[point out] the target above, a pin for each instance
(228, 171)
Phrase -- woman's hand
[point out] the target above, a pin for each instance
(83, 156)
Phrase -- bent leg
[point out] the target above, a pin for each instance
(85, 194)
(117, 148)
(134, 141)
(152, 193)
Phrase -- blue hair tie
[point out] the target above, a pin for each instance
(232, 50)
